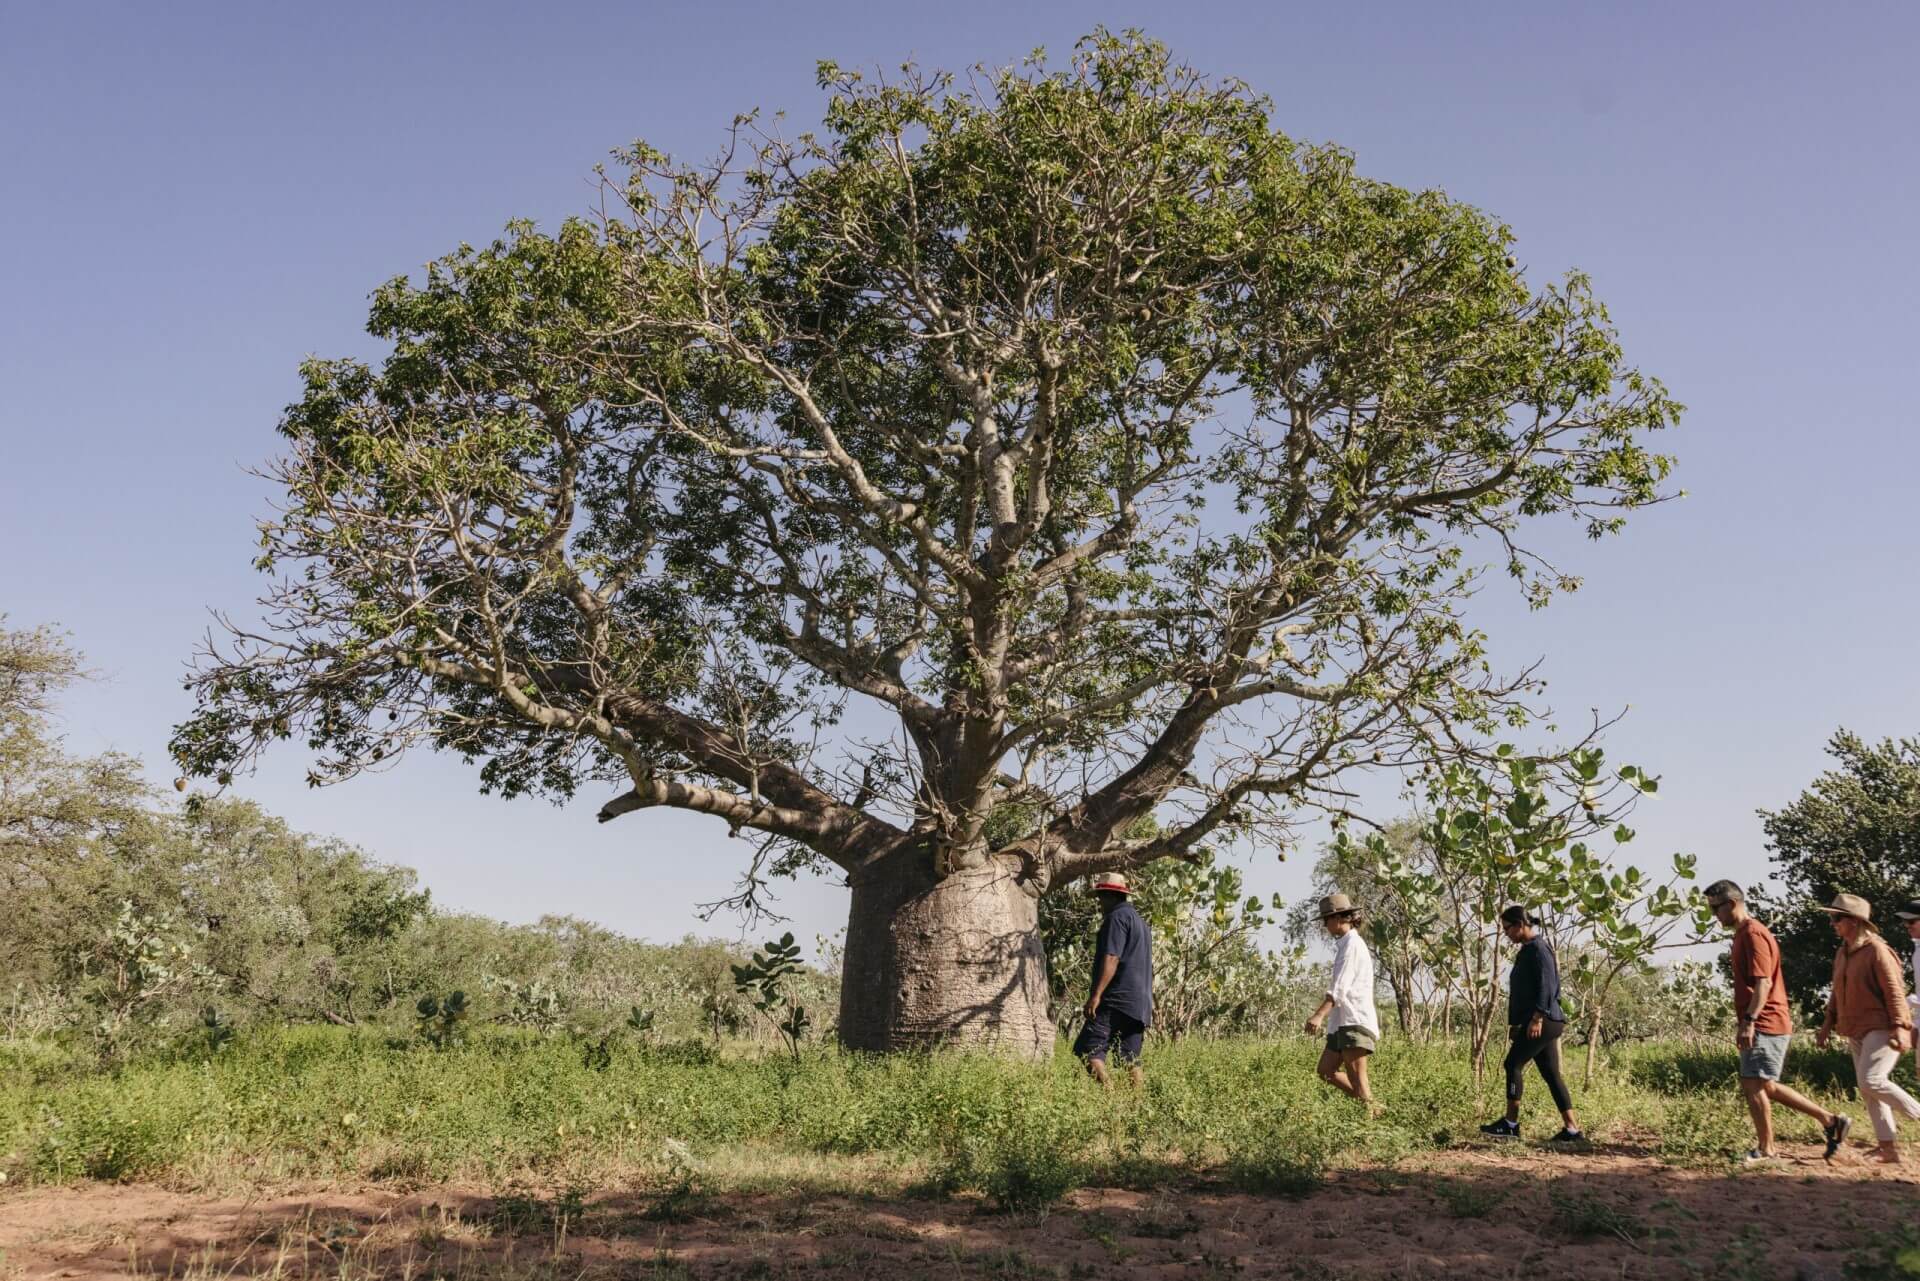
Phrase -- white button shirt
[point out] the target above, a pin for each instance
(1351, 990)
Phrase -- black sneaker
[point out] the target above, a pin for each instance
(1501, 1129)
(1837, 1133)
(1755, 1156)
(1569, 1136)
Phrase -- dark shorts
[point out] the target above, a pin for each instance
(1110, 1028)
(1352, 1038)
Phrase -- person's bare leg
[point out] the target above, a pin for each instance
(1889, 1153)
(1330, 1071)
(1136, 1077)
(1762, 1112)
(1098, 1067)
(1355, 1062)
(1787, 1096)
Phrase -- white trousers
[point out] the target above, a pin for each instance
(1873, 1062)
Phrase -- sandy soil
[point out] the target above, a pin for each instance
(1504, 1212)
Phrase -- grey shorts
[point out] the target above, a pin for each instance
(1768, 1055)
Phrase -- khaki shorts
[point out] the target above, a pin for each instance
(1352, 1038)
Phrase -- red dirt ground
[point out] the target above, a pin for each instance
(1614, 1213)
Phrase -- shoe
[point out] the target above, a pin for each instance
(1754, 1156)
(1837, 1133)
(1569, 1136)
(1501, 1129)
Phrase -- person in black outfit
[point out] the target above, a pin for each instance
(1120, 996)
(1535, 1022)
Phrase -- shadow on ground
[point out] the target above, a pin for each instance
(1464, 1214)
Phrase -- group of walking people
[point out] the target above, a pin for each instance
(1869, 1006)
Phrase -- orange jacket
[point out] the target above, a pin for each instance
(1868, 994)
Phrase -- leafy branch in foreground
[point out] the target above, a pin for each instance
(1538, 833)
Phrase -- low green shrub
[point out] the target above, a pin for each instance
(1024, 1149)
(514, 1104)
(1704, 1127)
(1286, 1148)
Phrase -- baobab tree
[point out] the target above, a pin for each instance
(1032, 472)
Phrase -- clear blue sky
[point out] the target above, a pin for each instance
(195, 196)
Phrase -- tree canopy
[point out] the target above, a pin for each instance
(1854, 830)
(1124, 449)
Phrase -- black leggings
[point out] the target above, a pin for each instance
(1542, 1051)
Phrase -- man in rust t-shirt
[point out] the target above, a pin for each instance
(1760, 1002)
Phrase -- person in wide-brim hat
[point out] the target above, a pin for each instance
(1120, 995)
(1348, 1003)
(1337, 905)
(1850, 905)
(1868, 1005)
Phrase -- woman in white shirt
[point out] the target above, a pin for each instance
(1348, 1003)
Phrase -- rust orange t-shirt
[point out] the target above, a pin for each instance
(1756, 956)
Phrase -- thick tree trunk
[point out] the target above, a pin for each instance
(956, 961)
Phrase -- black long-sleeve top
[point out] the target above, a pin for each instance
(1534, 985)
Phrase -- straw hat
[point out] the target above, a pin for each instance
(1336, 905)
(1113, 881)
(1850, 905)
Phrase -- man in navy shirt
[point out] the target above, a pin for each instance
(1120, 1001)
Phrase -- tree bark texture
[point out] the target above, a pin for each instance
(953, 961)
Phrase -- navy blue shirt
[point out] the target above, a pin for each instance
(1125, 935)
(1534, 985)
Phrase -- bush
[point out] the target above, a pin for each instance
(1026, 1149)
(1285, 1150)
(1703, 1128)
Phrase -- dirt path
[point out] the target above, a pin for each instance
(1480, 1213)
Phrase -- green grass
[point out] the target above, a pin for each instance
(514, 1108)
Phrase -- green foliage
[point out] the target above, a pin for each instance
(765, 981)
(1887, 1255)
(129, 972)
(935, 415)
(1211, 974)
(1520, 833)
(531, 1004)
(214, 1031)
(682, 1198)
(1855, 830)
(1582, 1215)
(1286, 1150)
(1706, 1128)
(1466, 1199)
(512, 1107)
(1691, 1000)
(442, 1021)
(1025, 1152)
(126, 920)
